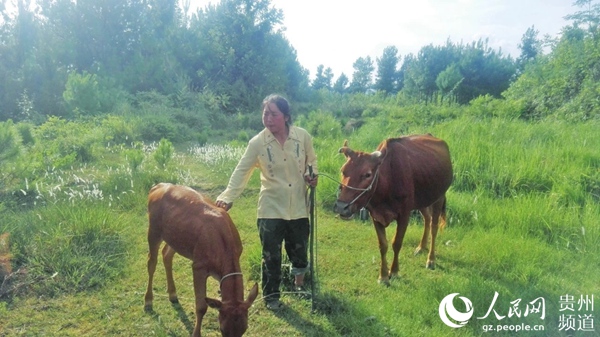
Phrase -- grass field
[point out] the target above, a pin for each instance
(522, 223)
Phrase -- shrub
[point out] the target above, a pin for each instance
(243, 136)
(10, 142)
(163, 153)
(26, 133)
(63, 143)
(156, 127)
(321, 124)
(117, 130)
(135, 157)
(82, 95)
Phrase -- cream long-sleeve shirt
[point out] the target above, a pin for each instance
(282, 170)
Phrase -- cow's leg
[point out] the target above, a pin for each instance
(168, 253)
(154, 241)
(426, 213)
(200, 276)
(437, 210)
(383, 247)
(402, 224)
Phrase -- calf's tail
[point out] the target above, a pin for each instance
(442, 220)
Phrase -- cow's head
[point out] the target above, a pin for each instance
(233, 317)
(359, 176)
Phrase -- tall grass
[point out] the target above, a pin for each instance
(66, 249)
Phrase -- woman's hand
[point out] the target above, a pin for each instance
(312, 182)
(224, 205)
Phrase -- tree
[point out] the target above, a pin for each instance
(422, 71)
(563, 84)
(448, 82)
(387, 74)
(482, 69)
(588, 17)
(485, 71)
(244, 56)
(322, 78)
(362, 76)
(341, 84)
(408, 61)
(530, 47)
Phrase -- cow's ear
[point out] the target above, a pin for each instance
(379, 155)
(346, 150)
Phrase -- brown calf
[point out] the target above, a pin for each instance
(194, 227)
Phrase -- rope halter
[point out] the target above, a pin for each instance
(226, 276)
(363, 190)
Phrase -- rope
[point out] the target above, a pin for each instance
(340, 183)
(226, 276)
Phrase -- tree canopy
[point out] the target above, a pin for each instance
(82, 58)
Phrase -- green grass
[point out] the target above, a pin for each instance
(522, 221)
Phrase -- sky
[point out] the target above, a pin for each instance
(335, 33)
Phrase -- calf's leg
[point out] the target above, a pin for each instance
(153, 245)
(200, 276)
(168, 253)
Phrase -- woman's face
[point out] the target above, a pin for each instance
(273, 119)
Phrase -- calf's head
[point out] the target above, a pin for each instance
(359, 176)
(233, 317)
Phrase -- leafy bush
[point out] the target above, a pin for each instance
(488, 107)
(163, 153)
(321, 124)
(64, 143)
(154, 128)
(81, 94)
(10, 142)
(118, 130)
(26, 133)
(135, 157)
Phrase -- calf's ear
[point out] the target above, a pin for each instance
(252, 295)
(346, 151)
(213, 303)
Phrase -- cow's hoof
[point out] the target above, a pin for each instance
(430, 265)
(174, 300)
(148, 308)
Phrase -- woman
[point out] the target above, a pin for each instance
(282, 153)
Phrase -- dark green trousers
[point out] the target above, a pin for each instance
(273, 234)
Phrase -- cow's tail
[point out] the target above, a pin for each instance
(442, 220)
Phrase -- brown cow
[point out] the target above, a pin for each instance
(404, 174)
(194, 227)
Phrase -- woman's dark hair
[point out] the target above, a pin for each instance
(282, 104)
